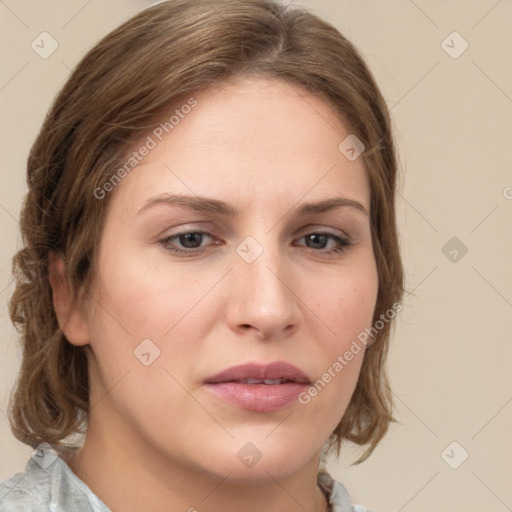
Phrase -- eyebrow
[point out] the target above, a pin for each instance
(210, 205)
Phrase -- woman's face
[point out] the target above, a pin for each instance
(188, 289)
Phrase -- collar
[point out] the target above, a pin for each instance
(335, 492)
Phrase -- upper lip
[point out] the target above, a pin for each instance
(272, 371)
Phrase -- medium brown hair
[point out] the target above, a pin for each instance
(115, 93)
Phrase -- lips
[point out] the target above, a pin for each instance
(259, 388)
(253, 373)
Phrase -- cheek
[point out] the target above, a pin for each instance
(346, 302)
(136, 294)
(141, 335)
(345, 305)
(157, 302)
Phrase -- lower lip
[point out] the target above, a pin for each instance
(258, 397)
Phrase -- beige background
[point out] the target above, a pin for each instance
(450, 359)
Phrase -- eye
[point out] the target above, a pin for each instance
(320, 241)
(191, 242)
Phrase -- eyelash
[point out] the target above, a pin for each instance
(342, 243)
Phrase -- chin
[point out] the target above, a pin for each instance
(258, 459)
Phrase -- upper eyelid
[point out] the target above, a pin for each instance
(312, 227)
(304, 231)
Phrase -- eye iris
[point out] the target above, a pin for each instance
(318, 240)
(191, 240)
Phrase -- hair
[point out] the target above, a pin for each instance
(116, 92)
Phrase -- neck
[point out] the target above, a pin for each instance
(128, 476)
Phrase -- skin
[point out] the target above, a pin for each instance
(158, 439)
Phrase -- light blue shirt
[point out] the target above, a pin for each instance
(49, 485)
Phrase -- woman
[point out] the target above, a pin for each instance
(211, 268)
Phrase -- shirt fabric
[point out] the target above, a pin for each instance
(49, 485)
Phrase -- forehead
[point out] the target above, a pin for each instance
(251, 138)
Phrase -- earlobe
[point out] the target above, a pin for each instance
(71, 319)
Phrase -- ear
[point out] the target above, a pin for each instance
(71, 319)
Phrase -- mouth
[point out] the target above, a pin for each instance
(258, 387)
(268, 382)
(254, 373)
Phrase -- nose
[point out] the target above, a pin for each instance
(263, 300)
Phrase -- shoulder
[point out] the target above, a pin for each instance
(28, 490)
(338, 495)
(47, 484)
(360, 508)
